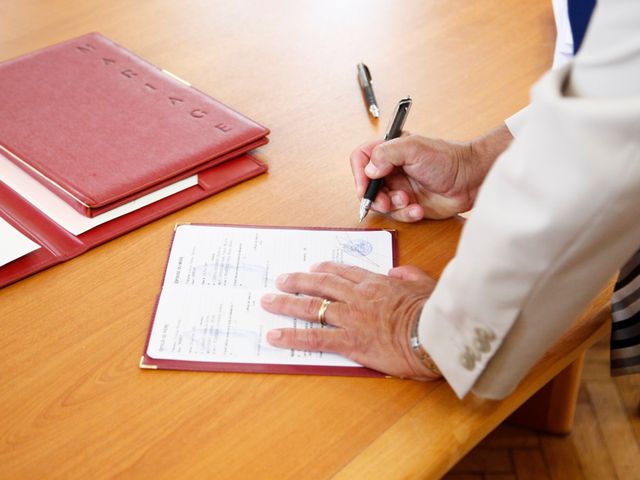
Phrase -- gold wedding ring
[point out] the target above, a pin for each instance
(322, 310)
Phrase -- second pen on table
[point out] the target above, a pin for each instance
(364, 78)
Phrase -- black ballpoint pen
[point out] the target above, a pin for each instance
(364, 78)
(394, 131)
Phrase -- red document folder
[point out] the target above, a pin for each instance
(58, 245)
(100, 126)
(148, 362)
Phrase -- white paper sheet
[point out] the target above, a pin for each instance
(13, 244)
(209, 308)
(64, 214)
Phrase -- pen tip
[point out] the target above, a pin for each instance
(365, 203)
(375, 111)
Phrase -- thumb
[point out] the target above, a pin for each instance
(385, 156)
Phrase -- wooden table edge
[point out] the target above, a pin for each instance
(409, 449)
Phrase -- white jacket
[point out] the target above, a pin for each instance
(557, 215)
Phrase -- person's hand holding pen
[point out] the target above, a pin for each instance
(423, 177)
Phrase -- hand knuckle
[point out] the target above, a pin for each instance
(368, 290)
(314, 339)
(416, 141)
(380, 151)
(356, 344)
(291, 281)
(323, 278)
(322, 266)
(311, 307)
(350, 269)
(279, 301)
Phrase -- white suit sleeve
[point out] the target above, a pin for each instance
(563, 53)
(516, 121)
(556, 217)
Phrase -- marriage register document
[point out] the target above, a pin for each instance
(208, 315)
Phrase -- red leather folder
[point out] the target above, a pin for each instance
(58, 245)
(100, 126)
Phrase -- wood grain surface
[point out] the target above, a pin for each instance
(73, 402)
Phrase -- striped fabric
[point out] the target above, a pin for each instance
(625, 310)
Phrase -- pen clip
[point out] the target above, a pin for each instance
(397, 120)
(364, 75)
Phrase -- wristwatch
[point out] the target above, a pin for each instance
(419, 350)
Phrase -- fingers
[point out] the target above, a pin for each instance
(304, 308)
(408, 272)
(399, 199)
(378, 159)
(359, 159)
(397, 204)
(310, 339)
(328, 280)
(348, 272)
(382, 203)
(316, 284)
(410, 213)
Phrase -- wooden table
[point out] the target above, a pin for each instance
(73, 402)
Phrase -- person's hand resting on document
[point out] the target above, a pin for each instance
(372, 315)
